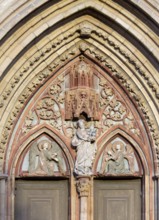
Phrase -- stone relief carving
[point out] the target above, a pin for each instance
(81, 100)
(48, 108)
(81, 96)
(84, 48)
(82, 92)
(83, 186)
(117, 159)
(45, 158)
(28, 124)
(84, 143)
(61, 39)
(114, 111)
(86, 29)
(38, 80)
(111, 110)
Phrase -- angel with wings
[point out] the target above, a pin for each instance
(45, 157)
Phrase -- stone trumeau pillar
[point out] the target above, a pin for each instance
(83, 188)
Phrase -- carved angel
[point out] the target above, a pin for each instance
(44, 158)
(118, 159)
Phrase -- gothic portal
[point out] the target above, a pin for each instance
(79, 132)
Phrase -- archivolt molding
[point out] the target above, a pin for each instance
(53, 46)
(52, 16)
(107, 39)
(47, 59)
(12, 12)
(137, 66)
(148, 6)
(88, 50)
(42, 75)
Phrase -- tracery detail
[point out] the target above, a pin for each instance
(48, 108)
(114, 111)
(81, 90)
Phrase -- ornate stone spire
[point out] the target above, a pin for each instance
(81, 96)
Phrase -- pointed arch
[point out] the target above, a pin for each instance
(108, 45)
(63, 68)
(23, 145)
(106, 138)
(119, 37)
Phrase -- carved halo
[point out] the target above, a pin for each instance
(115, 144)
(41, 145)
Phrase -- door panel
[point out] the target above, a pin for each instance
(39, 200)
(117, 199)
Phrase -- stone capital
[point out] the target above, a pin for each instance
(83, 186)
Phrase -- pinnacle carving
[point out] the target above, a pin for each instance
(81, 96)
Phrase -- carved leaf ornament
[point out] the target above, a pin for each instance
(82, 93)
(101, 104)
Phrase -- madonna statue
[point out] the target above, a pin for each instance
(84, 143)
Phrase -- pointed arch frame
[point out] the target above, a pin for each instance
(33, 135)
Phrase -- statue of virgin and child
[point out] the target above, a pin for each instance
(84, 143)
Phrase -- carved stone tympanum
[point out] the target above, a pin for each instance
(80, 90)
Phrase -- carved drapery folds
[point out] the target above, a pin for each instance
(118, 158)
(82, 106)
(44, 158)
(84, 143)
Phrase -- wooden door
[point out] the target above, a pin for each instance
(117, 199)
(41, 200)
